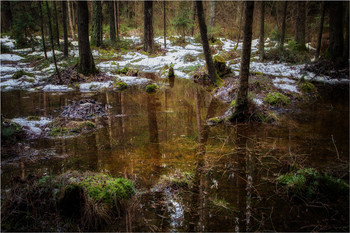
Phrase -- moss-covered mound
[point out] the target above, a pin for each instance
(277, 99)
(220, 66)
(71, 201)
(151, 88)
(309, 183)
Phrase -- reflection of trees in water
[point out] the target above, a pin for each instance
(152, 103)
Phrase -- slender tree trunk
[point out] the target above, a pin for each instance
(283, 33)
(86, 61)
(193, 17)
(97, 14)
(52, 44)
(262, 40)
(70, 20)
(300, 25)
(336, 39)
(111, 21)
(116, 13)
(56, 24)
(164, 22)
(74, 16)
(205, 43)
(241, 109)
(118, 20)
(346, 23)
(148, 27)
(6, 16)
(239, 29)
(64, 22)
(319, 39)
(212, 10)
(42, 28)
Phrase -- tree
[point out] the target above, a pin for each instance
(70, 13)
(6, 16)
(241, 108)
(97, 24)
(205, 43)
(111, 21)
(336, 30)
(319, 38)
(56, 24)
(164, 23)
(193, 17)
(148, 27)
(262, 41)
(52, 44)
(64, 22)
(116, 11)
(346, 23)
(300, 25)
(42, 28)
(283, 33)
(212, 11)
(86, 64)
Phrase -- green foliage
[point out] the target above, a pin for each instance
(33, 118)
(19, 73)
(60, 131)
(233, 103)
(287, 55)
(276, 34)
(307, 87)
(86, 125)
(308, 182)
(151, 88)
(221, 206)
(294, 46)
(10, 130)
(182, 22)
(121, 85)
(277, 99)
(171, 72)
(189, 58)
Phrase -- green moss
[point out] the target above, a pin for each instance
(178, 179)
(33, 118)
(121, 85)
(190, 58)
(277, 99)
(19, 73)
(221, 206)
(88, 125)
(219, 59)
(60, 131)
(151, 88)
(233, 103)
(171, 73)
(307, 87)
(9, 130)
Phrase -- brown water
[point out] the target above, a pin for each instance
(151, 136)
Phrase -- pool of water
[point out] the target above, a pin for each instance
(151, 136)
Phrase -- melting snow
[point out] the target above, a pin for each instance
(32, 126)
(51, 87)
(95, 85)
(10, 57)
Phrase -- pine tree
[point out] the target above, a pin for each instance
(148, 27)
(56, 24)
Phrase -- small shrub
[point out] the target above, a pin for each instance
(277, 99)
(151, 88)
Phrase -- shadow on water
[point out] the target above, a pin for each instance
(150, 136)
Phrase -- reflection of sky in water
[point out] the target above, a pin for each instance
(175, 209)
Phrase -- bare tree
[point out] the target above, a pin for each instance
(42, 28)
(283, 31)
(319, 38)
(212, 12)
(56, 23)
(164, 22)
(241, 108)
(70, 19)
(262, 40)
(148, 27)
(300, 25)
(97, 23)
(111, 21)
(64, 22)
(205, 43)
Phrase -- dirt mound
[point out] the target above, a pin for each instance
(84, 109)
(329, 68)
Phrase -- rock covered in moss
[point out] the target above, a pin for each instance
(307, 87)
(121, 85)
(277, 99)
(151, 88)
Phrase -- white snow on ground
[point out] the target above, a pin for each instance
(10, 57)
(32, 126)
(42, 54)
(95, 86)
(51, 87)
(22, 51)
(285, 84)
(6, 41)
(130, 80)
(258, 101)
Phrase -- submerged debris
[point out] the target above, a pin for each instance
(84, 109)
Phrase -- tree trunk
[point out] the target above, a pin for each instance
(300, 25)
(96, 29)
(336, 30)
(193, 17)
(64, 22)
(56, 24)
(86, 61)
(52, 44)
(319, 39)
(205, 43)
(118, 20)
(164, 22)
(239, 29)
(283, 33)
(111, 21)
(6, 16)
(116, 13)
(148, 27)
(70, 20)
(262, 40)
(346, 23)
(212, 11)
(42, 28)
(241, 110)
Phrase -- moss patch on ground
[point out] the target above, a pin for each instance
(277, 99)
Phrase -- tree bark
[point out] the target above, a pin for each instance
(193, 17)
(42, 28)
(64, 22)
(148, 27)
(116, 13)
(70, 19)
(212, 11)
(86, 61)
(205, 43)
(336, 30)
(96, 29)
(262, 40)
(319, 39)
(164, 22)
(52, 44)
(111, 21)
(300, 25)
(239, 29)
(283, 33)
(241, 110)
(346, 22)
(118, 20)
(6, 16)
(56, 24)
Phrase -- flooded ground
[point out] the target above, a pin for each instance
(150, 138)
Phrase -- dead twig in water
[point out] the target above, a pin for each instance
(336, 149)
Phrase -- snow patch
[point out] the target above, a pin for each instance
(10, 57)
(95, 86)
(32, 126)
(51, 87)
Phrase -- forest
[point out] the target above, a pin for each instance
(167, 116)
